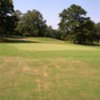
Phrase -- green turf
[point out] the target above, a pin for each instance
(49, 69)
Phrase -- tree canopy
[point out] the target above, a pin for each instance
(32, 24)
(7, 17)
(74, 25)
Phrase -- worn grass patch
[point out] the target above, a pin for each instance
(48, 79)
(49, 71)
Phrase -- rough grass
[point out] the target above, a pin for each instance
(49, 71)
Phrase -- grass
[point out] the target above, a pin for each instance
(49, 69)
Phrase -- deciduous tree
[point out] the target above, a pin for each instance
(32, 24)
(75, 25)
(7, 18)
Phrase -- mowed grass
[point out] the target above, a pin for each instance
(48, 69)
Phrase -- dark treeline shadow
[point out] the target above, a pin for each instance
(87, 44)
(17, 40)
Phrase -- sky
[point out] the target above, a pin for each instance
(50, 9)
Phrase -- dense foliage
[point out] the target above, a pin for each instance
(31, 24)
(74, 24)
(7, 17)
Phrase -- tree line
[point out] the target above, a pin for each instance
(74, 25)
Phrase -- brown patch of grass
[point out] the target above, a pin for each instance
(45, 74)
(26, 69)
(46, 86)
(38, 88)
(51, 77)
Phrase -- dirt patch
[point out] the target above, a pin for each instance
(46, 74)
(26, 69)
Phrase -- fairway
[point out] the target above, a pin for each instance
(49, 69)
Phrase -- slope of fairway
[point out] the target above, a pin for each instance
(47, 44)
(51, 47)
(49, 69)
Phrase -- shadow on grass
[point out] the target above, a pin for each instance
(94, 44)
(21, 40)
